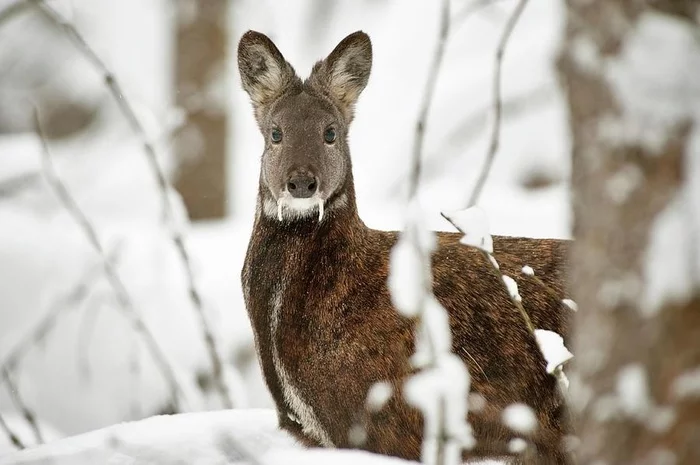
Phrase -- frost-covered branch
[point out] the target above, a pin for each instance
(497, 105)
(472, 223)
(441, 387)
(22, 406)
(164, 186)
(126, 303)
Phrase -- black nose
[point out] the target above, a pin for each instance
(302, 187)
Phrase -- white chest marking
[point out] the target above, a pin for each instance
(302, 411)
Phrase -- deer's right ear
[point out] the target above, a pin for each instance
(265, 74)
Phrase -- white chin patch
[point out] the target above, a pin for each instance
(288, 207)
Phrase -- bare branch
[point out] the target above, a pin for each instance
(497, 103)
(433, 71)
(163, 185)
(472, 8)
(14, 439)
(124, 299)
(22, 407)
(12, 10)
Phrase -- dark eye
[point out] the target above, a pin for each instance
(276, 136)
(329, 136)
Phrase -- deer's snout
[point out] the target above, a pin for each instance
(302, 186)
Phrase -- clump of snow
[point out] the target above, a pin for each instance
(357, 435)
(406, 277)
(633, 390)
(623, 183)
(668, 265)
(378, 395)
(528, 271)
(517, 446)
(512, 287)
(475, 226)
(552, 346)
(654, 99)
(477, 402)
(687, 385)
(571, 304)
(439, 392)
(493, 261)
(407, 264)
(520, 418)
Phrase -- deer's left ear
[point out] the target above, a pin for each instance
(345, 72)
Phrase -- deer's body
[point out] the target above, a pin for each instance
(315, 282)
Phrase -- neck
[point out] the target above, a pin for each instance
(340, 216)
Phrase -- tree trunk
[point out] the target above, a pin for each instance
(200, 145)
(631, 72)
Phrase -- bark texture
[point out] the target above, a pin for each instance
(200, 146)
(630, 70)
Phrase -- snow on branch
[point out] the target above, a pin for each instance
(126, 303)
(440, 389)
(166, 191)
(473, 224)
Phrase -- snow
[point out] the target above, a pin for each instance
(687, 385)
(520, 418)
(473, 222)
(528, 271)
(406, 277)
(378, 395)
(512, 287)
(656, 101)
(552, 346)
(571, 304)
(633, 390)
(517, 446)
(223, 437)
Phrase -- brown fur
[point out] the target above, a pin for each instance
(337, 333)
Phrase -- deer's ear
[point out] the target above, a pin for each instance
(265, 74)
(345, 72)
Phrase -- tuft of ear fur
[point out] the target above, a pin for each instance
(265, 74)
(345, 72)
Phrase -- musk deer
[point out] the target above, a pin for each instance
(315, 281)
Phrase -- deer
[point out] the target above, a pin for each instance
(315, 282)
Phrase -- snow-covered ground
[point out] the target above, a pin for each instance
(91, 370)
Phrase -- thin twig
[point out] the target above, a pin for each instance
(163, 186)
(78, 294)
(414, 180)
(497, 103)
(14, 439)
(421, 122)
(497, 273)
(124, 299)
(22, 406)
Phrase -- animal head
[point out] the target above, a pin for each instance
(306, 162)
